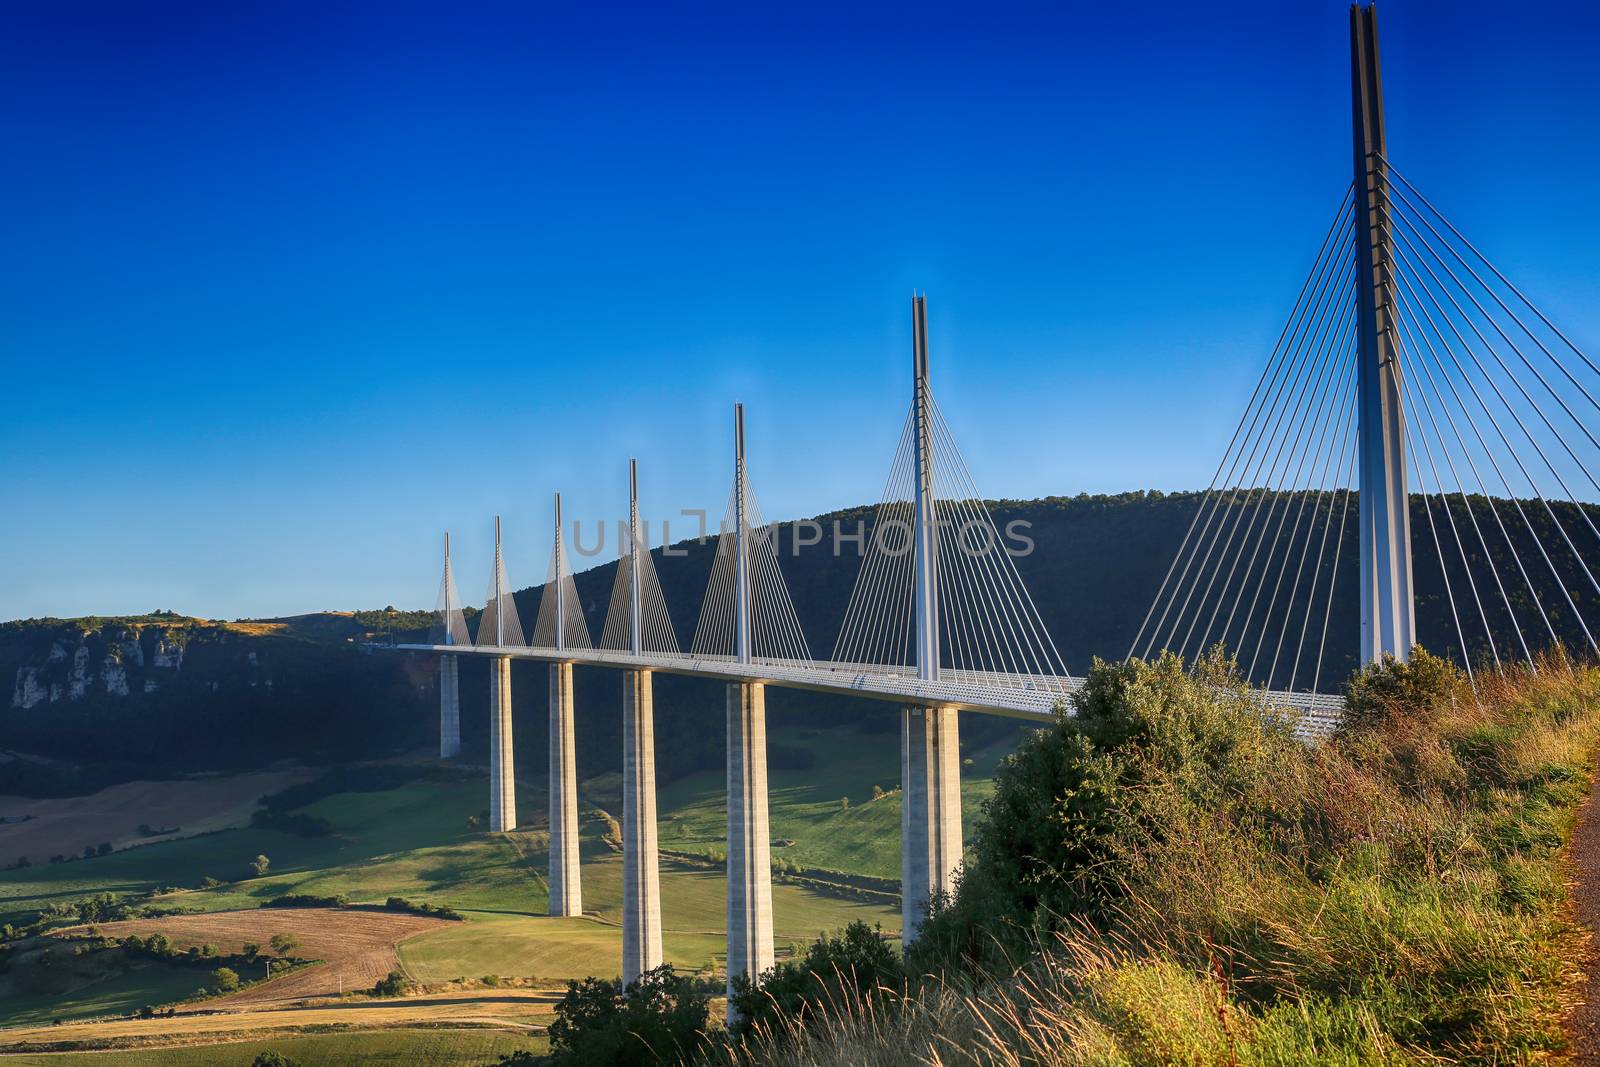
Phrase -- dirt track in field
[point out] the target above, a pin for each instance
(357, 946)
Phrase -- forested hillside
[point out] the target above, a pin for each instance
(165, 694)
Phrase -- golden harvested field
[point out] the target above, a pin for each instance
(66, 825)
(521, 1009)
(357, 946)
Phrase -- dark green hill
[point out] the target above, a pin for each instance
(163, 694)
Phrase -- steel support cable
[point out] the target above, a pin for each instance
(1412, 354)
(709, 633)
(893, 626)
(1316, 269)
(1327, 449)
(1532, 533)
(1280, 393)
(1014, 650)
(787, 635)
(866, 577)
(997, 645)
(1403, 302)
(1001, 618)
(1403, 357)
(1422, 240)
(1571, 497)
(1490, 290)
(1209, 507)
(786, 623)
(960, 642)
(880, 569)
(1333, 581)
(1330, 469)
(1299, 441)
(1303, 435)
(1003, 569)
(1403, 389)
(999, 612)
(973, 628)
(1305, 379)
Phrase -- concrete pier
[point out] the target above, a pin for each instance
(930, 813)
(566, 893)
(749, 835)
(449, 708)
(502, 767)
(641, 872)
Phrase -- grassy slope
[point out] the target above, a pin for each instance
(415, 842)
(1398, 895)
(805, 804)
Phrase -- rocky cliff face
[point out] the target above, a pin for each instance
(113, 699)
(114, 661)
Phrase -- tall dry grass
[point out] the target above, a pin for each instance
(1396, 895)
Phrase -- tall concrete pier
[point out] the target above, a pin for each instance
(749, 836)
(502, 765)
(566, 894)
(641, 875)
(930, 745)
(930, 811)
(449, 673)
(449, 708)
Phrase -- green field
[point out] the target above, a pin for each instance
(806, 805)
(415, 841)
(401, 1046)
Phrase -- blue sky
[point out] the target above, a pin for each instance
(289, 289)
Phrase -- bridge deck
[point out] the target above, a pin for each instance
(1016, 696)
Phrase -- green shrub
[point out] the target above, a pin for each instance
(225, 980)
(658, 1019)
(844, 972)
(395, 984)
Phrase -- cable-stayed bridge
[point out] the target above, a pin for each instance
(1419, 424)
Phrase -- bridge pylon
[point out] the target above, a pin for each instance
(641, 872)
(566, 890)
(930, 739)
(750, 950)
(1388, 610)
(454, 633)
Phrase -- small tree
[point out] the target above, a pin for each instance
(225, 979)
(103, 849)
(270, 1058)
(260, 865)
(394, 984)
(837, 972)
(251, 949)
(284, 944)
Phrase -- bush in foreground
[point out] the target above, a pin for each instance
(1169, 877)
(839, 973)
(658, 1019)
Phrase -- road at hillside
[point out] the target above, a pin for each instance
(1583, 1027)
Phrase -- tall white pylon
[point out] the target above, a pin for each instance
(502, 761)
(750, 950)
(566, 894)
(449, 673)
(930, 761)
(1388, 609)
(641, 876)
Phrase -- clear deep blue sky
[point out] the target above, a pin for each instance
(288, 289)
